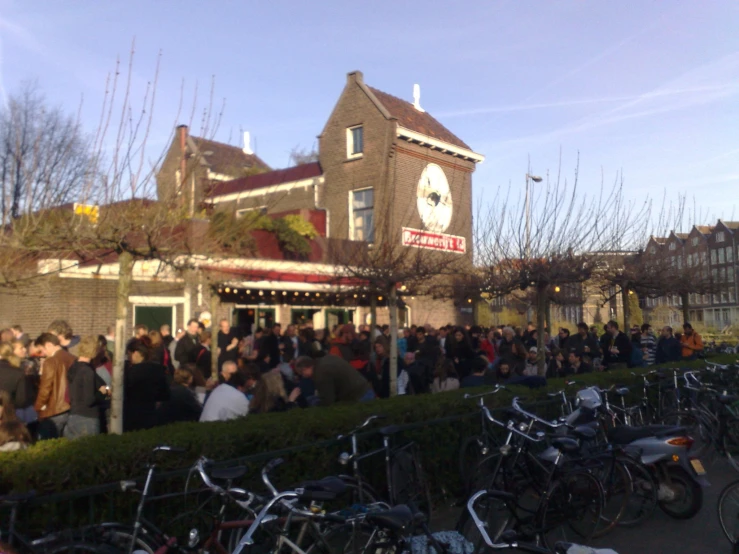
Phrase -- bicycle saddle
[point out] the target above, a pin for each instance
(328, 488)
(585, 432)
(394, 519)
(625, 434)
(622, 391)
(566, 444)
(390, 430)
(228, 473)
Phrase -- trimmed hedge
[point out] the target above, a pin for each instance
(61, 465)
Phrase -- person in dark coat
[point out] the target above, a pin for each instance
(460, 350)
(202, 355)
(188, 343)
(668, 347)
(270, 347)
(87, 391)
(511, 351)
(617, 354)
(144, 385)
(182, 405)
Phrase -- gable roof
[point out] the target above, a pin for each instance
(410, 118)
(704, 229)
(268, 179)
(733, 225)
(225, 159)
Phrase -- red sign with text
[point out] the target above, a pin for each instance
(434, 241)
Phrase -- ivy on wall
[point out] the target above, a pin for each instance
(292, 232)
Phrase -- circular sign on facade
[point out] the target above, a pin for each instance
(434, 199)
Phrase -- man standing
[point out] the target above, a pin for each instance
(584, 342)
(692, 343)
(166, 332)
(290, 344)
(228, 343)
(668, 347)
(335, 379)
(648, 344)
(52, 402)
(617, 354)
(271, 345)
(186, 345)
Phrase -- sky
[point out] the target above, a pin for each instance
(645, 90)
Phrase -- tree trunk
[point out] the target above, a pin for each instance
(686, 307)
(549, 315)
(626, 309)
(373, 315)
(215, 302)
(541, 308)
(125, 275)
(392, 306)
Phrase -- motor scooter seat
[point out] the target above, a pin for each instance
(626, 434)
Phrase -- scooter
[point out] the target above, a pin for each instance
(663, 449)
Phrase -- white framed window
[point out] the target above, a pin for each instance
(679, 262)
(721, 258)
(694, 241)
(355, 141)
(673, 246)
(689, 260)
(713, 256)
(720, 237)
(704, 257)
(730, 274)
(729, 254)
(362, 215)
(652, 250)
(258, 209)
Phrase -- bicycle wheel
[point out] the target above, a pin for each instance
(118, 538)
(616, 482)
(473, 451)
(730, 442)
(409, 484)
(573, 509)
(728, 511)
(696, 429)
(644, 494)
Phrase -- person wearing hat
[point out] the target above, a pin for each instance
(691, 342)
(531, 367)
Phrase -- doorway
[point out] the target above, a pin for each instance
(338, 317)
(249, 318)
(153, 316)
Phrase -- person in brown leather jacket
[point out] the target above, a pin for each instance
(52, 402)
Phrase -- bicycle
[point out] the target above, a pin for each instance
(561, 496)
(54, 543)
(728, 512)
(405, 482)
(476, 447)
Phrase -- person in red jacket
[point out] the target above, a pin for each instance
(487, 345)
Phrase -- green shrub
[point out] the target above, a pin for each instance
(437, 422)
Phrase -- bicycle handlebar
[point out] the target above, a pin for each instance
(511, 426)
(520, 410)
(167, 448)
(496, 390)
(265, 474)
(366, 423)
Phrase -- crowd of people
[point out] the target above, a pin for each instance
(59, 385)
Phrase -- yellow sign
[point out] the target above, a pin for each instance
(87, 210)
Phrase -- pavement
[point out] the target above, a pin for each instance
(660, 534)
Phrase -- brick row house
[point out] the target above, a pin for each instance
(384, 165)
(707, 256)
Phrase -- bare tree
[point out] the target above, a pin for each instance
(44, 155)
(559, 237)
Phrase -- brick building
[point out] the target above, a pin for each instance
(385, 168)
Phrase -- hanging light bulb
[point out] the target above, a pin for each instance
(228, 290)
(273, 293)
(379, 298)
(248, 291)
(236, 291)
(261, 293)
(284, 293)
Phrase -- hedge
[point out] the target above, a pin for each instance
(442, 421)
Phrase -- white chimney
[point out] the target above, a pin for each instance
(417, 98)
(247, 144)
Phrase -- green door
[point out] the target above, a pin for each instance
(153, 316)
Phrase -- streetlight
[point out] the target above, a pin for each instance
(527, 252)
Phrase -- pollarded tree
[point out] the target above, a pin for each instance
(557, 235)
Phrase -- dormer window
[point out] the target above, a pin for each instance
(673, 246)
(355, 142)
(720, 236)
(694, 241)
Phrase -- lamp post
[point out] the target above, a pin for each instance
(527, 249)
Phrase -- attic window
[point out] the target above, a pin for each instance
(694, 241)
(673, 246)
(355, 142)
(720, 236)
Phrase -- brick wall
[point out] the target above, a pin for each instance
(87, 304)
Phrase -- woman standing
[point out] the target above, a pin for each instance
(86, 392)
(144, 385)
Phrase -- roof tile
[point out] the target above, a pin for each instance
(225, 159)
(268, 179)
(421, 122)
